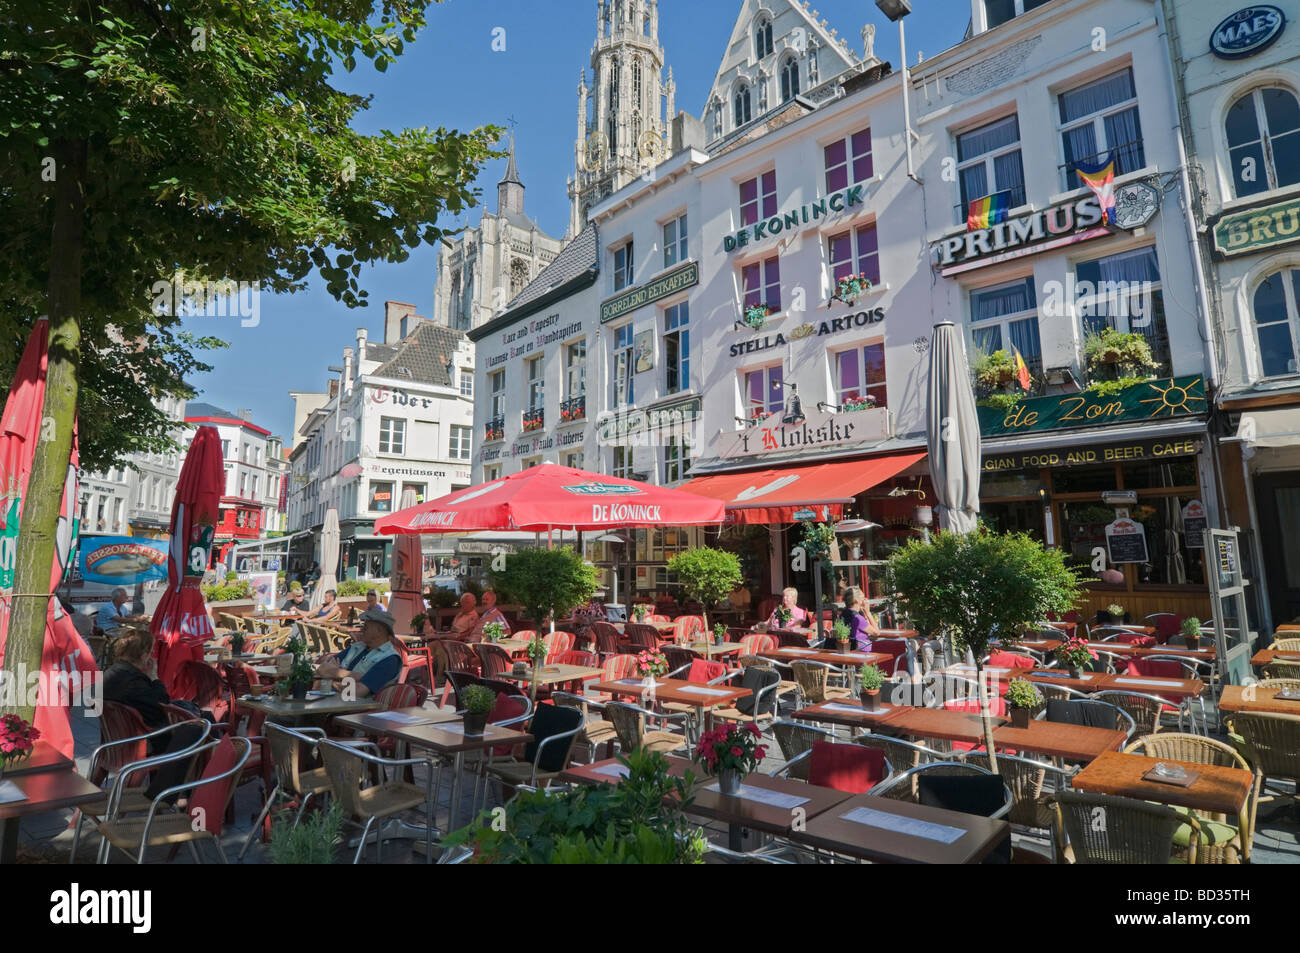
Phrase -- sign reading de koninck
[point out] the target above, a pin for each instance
(794, 219)
(633, 298)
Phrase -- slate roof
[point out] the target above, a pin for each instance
(576, 258)
(422, 357)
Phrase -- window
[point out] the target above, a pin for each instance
(392, 434)
(225, 449)
(743, 111)
(789, 79)
(575, 370)
(417, 487)
(677, 460)
(988, 162)
(573, 460)
(998, 12)
(497, 386)
(763, 391)
(1264, 141)
(623, 266)
(677, 348)
(1123, 292)
(845, 158)
(636, 81)
(536, 383)
(459, 445)
(855, 252)
(153, 489)
(763, 38)
(756, 203)
(491, 473)
(623, 462)
(860, 372)
(1277, 322)
(466, 382)
(623, 390)
(1004, 317)
(761, 282)
(518, 276)
(675, 241)
(381, 497)
(256, 480)
(1100, 121)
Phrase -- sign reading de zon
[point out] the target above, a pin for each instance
(1150, 400)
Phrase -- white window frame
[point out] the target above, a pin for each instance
(1003, 322)
(1291, 298)
(392, 435)
(850, 159)
(676, 460)
(1098, 121)
(466, 382)
(621, 377)
(675, 241)
(575, 369)
(863, 388)
(1265, 140)
(766, 371)
(623, 262)
(1019, 12)
(626, 467)
(458, 442)
(536, 382)
(988, 160)
(497, 408)
(677, 326)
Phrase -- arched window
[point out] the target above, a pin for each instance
(518, 276)
(1276, 309)
(1264, 140)
(763, 38)
(789, 79)
(636, 127)
(611, 132)
(636, 82)
(743, 112)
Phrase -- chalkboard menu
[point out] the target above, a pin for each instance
(1126, 542)
(1194, 523)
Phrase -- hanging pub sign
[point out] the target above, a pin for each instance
(1091, 455)
(1126, 542)
(1194, 524)
(795, 219)
(1150, 400)
(1249, 31)
(1255, 229)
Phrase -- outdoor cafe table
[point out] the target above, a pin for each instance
(306, 709)
(555, 674)
(943, 723)
(793, 654)
(696, 694)
(1123, 648)
(845, 712)
(1091, 682)
(44, 757)
(719, 649)
(883, 830)
(1267, 656)
(1217, 790)
(1057, 740)
(48, 788)
(1258, 698)
(382, 722)
(1037, 645)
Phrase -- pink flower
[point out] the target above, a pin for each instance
(736, 751)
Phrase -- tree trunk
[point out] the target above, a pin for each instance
(34, 559)
(986, 715)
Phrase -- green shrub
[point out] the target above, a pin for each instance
(707, 575)
(1021, 693)
(359, 587)
(241, 589)
(309, 842)
(545, 582)
(478, 700)
(872, 677)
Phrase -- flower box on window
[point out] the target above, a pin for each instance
(854, 401)
(534, 420)
(756, 315)
(850, 288)
(759, 415)
(573, 409)
(494, 429)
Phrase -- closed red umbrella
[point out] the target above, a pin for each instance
(180, 623)
(551, 496)
(66, 660)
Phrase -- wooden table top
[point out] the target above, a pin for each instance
(941, 723)
(1071, 742)
(1265, 656)
(675, 690)
(1038, 645)
(1288, 628)
(882, 841)
(848, 712)
(893, 633)
(309, 708)
(611, 771)
(1206, 654)
(793, 654)
(44, 757)
(1256, 698)
(379, 723)
(449, 737)
(555, 674)
(1154, 685)
(720, 648)
(49, 791)
(1218, 790)
(997, 673)
(747, 810)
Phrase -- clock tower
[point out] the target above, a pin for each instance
(623, 114)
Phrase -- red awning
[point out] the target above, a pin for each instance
(780, 495)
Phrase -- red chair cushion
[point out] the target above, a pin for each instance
(849, 768)
(1010, 660)
(703, 671)
(208, 803)
(998, 706)
(1136, 638)
(895, 647)
(507, 707)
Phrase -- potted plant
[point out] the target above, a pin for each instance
(1075, 655)
(783, 616)
(870, 680)
(855, 401)
(707, 575)
(300, 677)
(296, 646)
(851, 287)
(756, 315)
(1118, 355)
(840, 633)
(639, 612)
(417, 623)
(719, 633)
(478, 703)
(1192, 632)
(17, 740)
(1113, 614)
(493, 632)
(1022, 699)
(731, 752)
(650, 665)
(237, 640)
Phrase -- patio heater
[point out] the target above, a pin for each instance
(618, 540)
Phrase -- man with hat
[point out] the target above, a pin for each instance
(371, 662)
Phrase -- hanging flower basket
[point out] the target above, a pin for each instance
(756, 315)
(850, 288)
(533, 422)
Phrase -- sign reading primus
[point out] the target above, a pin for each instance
(803, 215)
(666, 284)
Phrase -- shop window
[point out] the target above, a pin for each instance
(860, 372)
(848, 161)
(573, 460)
(761, 282)
(381, 497)
(1005, 317)
(1263, 129)
(623, 389)
(1123, 292)
(492, 473)
(988, 162)
(1083, 479)
(1276, 310)
(855, 252)
(677, 348)
(1018, 516)
(1099, 121)
(758, 198)
(417, 487)
(764, 391)
(1161, 474)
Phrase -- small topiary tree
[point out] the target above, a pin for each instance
(545, 582)
(708, 575)
(979, 586)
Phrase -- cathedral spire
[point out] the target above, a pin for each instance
(510, 190)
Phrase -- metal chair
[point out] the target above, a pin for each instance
(1129, 831)
(1272, 744)
(796, 739)
(812, 680)
(554, 729)
(494, 659)
(1032, 785)
(906, 786)
(901, 755)
(595, 731)
(1145, 710)
(365, 803)
(292, 782)
(1071, 714)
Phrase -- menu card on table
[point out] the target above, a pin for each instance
(10, 792)
(702, 690)
(764, 796)
(1146, 681)
(853, 709)
(910, 826)
(615, 770)
(400, 717)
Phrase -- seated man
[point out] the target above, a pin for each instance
(327, 611)
(490, 613)
(297, 602)
(466, 620)
(790, 602)
(372, 661)
(112, 614)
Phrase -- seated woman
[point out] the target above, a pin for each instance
(789, 602)
(857, 616)
(372, 661)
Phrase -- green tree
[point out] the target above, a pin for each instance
(979, 586)
(708, 575)
(147, 142)
(545, 582)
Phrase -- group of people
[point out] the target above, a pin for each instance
(468, 624)
(328, 611)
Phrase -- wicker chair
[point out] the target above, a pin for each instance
(292, 782)
(1271, 743)
(364, 804)
(1220, 842)
(1280, 683)
(596, 731)
(1145, 710)
(901, 755)
(811, 679)
(493, 658)
(1031, 789)
(1281, 670)
(1133, 832)
(1285, 645)
(630, 724)
(796, 739)
(641, 637)
(608, 641)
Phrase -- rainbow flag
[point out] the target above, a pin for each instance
(989, 210)
(1101, 179)
(1022, 370)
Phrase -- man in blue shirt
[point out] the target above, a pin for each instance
(372, 662)
(110, 614)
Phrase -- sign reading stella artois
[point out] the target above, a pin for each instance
(819, 429)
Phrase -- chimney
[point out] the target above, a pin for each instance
(361, 347)
(685, 132)
(400, 320)
(347, 369)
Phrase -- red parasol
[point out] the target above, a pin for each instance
(551, 496)
(180, 623)
(66, 660)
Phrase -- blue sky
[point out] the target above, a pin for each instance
(451, 77)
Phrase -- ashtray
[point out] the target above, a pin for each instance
(1174, 772)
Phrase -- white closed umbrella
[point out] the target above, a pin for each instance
(406, 598)
(329, 557)
(953, 432)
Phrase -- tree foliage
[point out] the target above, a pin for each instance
(708, 575)
(545, 582)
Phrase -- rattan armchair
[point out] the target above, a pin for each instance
(1286, 645)
(1271, 743)
(901, 755)
(365, 803)
(630, 724)
(796, 740)
(1032, 785)
(812, 679)
(292, 783)
(1282, 670)
(596, 731)
(1103, 829)
(1145, 710)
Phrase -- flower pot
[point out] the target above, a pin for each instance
(1019, 717)
(299, 691)
(475, 722)
(844, 646)
(729, 782)
(871, 699)
(1076, 671)
(1193, 641)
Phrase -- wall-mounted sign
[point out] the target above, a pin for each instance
(1254, 229)
(632, 298)
(1090, 456)
(644, 351)
(1247, 32)
(1149, 400)
(818, 430)
(1065, 224)
(1126, 542)
(1194, 524)
(398, 398)
(795, 219)
(530, 337)
(632, 426)
(122, 560)
(846, 322)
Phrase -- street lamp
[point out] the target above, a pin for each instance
(895, 10)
